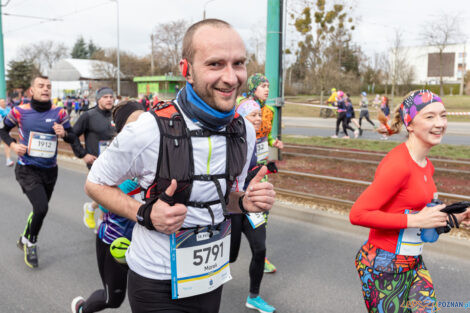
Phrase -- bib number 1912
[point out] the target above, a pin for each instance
(214, 250)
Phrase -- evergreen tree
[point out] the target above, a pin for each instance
(92, 48)
(80, 50)
(20, 74)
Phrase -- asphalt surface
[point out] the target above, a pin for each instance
(315, 264)
(458, 133)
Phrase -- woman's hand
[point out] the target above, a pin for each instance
(278, 144)
(428, 217)
(465, 218)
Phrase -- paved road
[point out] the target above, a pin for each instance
(316, 272)
(458, 133)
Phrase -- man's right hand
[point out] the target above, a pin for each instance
(89, 158)
(167, 218)
(18, 148)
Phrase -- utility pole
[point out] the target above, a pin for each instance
(464, 67)
(274, 62)
(152, 65)
(118, 58)
(3, 89)
(204, 12)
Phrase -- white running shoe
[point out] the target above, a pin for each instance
(89, 216)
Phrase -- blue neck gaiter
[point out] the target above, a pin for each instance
(200, 112)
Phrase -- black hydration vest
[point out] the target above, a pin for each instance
(176, 160)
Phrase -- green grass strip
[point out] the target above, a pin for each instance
(442, 150)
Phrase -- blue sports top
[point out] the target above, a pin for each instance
(29, 120)
(113, 225)
(4, 112)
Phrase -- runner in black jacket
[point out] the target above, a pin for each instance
(97, 127)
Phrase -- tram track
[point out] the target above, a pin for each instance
(325, 157)
(372, 154)
(447, 197)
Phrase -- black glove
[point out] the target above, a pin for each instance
(143, 215)
(454, 208)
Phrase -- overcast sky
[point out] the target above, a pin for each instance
(96, 20)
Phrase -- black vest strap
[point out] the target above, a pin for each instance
(176, 160)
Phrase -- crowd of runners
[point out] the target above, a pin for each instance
(177, 183)
(346, 114)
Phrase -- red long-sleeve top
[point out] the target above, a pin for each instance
(399, 184)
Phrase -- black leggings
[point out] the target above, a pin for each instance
(154, 296)
(342, 118)
(114, 278)
(257, 240)
(38, 185)
(365, 114)
(39, 198)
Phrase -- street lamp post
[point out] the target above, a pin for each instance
(3, 88)
(118, 59)
(204, 12)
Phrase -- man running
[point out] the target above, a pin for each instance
(191, 156)
(96, 125)
(39, 124)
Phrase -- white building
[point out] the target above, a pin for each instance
(78, 76)
(425, 61)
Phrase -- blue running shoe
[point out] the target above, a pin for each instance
(259, 304)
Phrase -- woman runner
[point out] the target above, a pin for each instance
(390, 265)
(252, 225)
(258, 90)
(113, 275)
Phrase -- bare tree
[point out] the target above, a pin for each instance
(131, 65)
(167, 40)
(43, 54)
(106, 70)
(398, 63)
(385, 64)
(441, 32)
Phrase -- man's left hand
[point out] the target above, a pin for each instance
(59, 130)
(259, 196)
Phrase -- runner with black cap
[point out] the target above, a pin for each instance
(97, 128)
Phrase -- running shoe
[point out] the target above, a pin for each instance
(259, 304)
(89, 216)
(97, 228)
(9, 163)
(268, 266)
(31, 255)
(334, 136)
(20, 243)
(77, 304)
